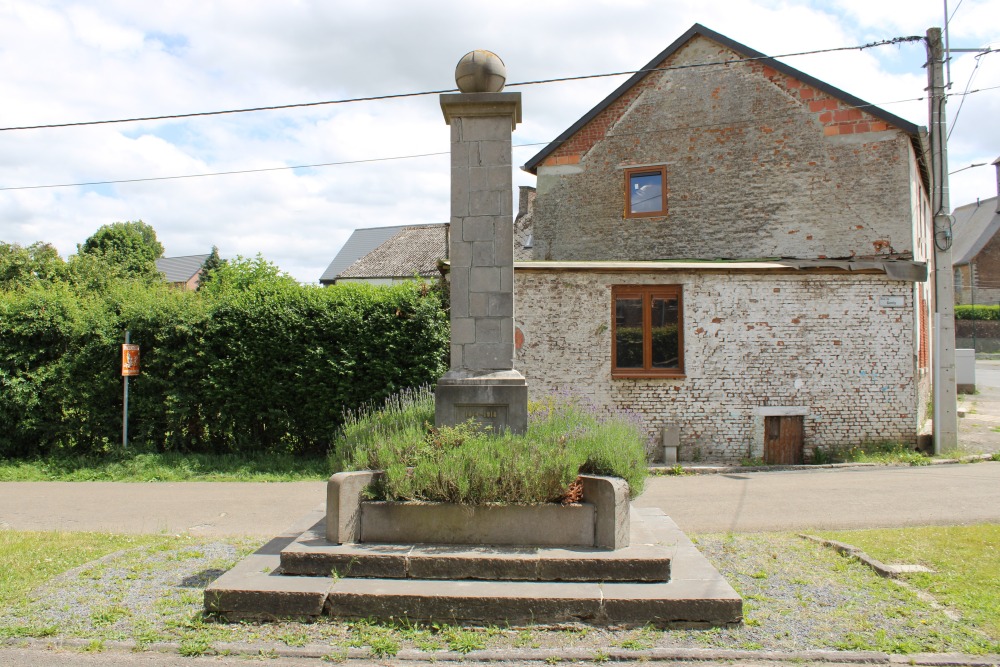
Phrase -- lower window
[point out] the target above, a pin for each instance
(647, 337)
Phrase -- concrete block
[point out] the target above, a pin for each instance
(670, 437)
(459, 151)
(496, 154)
(478, 229)
(444, 523)
(466, 601)
(489, 356)
(484, 279)
(479, 304)
(463, 330)
(631, 564)
(502, 304)
(479, 179)
(460, 192)
(484, 563)
(499, 177)
(456, 356)
(507, 279)
(610, 497)
(343, 505)
(485, 202)
(487, 330)
(483, 253)
(460, 253)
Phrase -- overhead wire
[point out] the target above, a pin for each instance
(726, 122)
(748, 120)
(374, 98)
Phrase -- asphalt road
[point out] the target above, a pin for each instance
(795, 500)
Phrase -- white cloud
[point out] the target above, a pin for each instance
(65, 61)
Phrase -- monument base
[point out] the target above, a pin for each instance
(496, 399)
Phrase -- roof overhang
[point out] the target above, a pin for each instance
(894, 269)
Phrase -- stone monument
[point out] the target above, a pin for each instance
(482, 383)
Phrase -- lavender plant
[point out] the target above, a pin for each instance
(566, 436)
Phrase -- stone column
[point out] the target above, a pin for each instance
(482, 383)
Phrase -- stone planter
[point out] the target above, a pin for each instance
(601, 520)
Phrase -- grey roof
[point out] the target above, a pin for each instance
(180, 269)
(975, 224)
(531, 165)
(410, 251)
(360, 243)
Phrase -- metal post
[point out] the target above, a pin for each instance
(945, 391)
(125, 405)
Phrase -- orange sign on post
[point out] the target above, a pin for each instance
(130, 359)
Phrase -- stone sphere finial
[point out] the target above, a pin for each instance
(480, 71)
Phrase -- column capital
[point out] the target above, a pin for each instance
(459, 105)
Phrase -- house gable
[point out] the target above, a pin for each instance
(760, 160)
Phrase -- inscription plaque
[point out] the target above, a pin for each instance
(489, 416)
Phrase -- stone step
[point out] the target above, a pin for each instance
(690, 602)
(696, 594)
(312, 555)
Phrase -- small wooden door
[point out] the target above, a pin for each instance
(783, 440)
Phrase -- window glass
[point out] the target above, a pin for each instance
(663, 331)
(647, 331)
(646, 192)
(628, 332)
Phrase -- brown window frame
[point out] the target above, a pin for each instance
(647, 293)
(633, 171)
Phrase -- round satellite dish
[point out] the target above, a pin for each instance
(480, 71)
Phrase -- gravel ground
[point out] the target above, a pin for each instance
(798, 596)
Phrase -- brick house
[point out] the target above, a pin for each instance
(738, 251)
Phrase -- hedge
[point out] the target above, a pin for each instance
(969, 312)
(272, 366)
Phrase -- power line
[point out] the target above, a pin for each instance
(790, 113)
(376, 98)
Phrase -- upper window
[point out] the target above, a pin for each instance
(647, 339)
(645, 192)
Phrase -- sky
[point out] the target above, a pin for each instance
(110, 59)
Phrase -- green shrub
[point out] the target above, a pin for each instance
(255, 363)
(464, 464)
(969, 312)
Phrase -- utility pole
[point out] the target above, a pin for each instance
(945, 394)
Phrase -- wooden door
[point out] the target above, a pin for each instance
(783, 440)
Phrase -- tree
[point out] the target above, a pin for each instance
(243, 273)
(20, 266)
(211, 265)
(128, 248)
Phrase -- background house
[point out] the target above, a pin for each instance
(387, 254)
(183, 272)
(383, 255)
(976, 249)
(729, 246)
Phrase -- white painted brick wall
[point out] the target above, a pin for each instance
(750, 339)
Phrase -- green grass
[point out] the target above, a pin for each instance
(885, 453)
(166, 467)
(965, 560)
(32, 558)
(466, 465)
(797, 595)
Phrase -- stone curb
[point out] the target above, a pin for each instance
(708, 469)
(597, 655)
(884, 570)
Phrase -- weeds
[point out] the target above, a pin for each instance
(886, 452)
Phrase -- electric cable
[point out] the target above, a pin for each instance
(374, 98)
